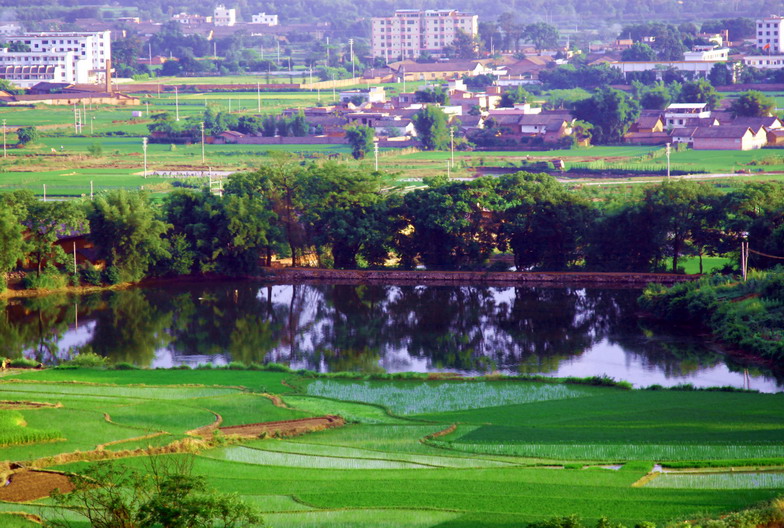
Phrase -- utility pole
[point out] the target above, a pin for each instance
(452, 146)
(144, 148)
(5, 154)
(176, 103)
(202, 141)
(351, 55)
(744, 255)
(44, 192)
(667, 152)
(91, 125)
(375, 152)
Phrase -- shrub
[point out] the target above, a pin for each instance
(124, 365)
(276, 367)
(236, 365)
(112, 275)
(23, 362)
(86, 360)
(91, 275)
(48, 280)
(3, 283)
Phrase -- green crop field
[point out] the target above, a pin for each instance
(504, 453)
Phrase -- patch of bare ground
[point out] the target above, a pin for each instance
(26, 405)
(285, 427)
(26, 485)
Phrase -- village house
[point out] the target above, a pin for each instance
(728, 138)
(414, 71)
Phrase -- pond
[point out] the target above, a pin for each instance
(553, 331)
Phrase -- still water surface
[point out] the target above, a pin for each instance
(467, 329)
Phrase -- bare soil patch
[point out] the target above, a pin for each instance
(26, 485)
(285, 427)
(22, 405)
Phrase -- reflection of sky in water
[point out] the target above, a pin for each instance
(314, 321)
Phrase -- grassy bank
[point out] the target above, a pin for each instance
(748, 315)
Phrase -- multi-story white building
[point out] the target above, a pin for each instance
(56, 57)
(264, 18)
(770, 36)
(223, 16)
(764, 62)
(411, 32)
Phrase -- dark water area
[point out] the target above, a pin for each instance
(554, 331)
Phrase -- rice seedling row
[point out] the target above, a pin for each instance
(407, 398)
(618, 452)
(737, 480)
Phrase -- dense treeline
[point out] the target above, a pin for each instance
(343, 12)
(753, 320)
(340, 217)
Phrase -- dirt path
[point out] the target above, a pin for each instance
(26, 485)
(207, 429)
(285, 427)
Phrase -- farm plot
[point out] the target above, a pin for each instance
(407, 398)
(14, 430)
(254, 380)
(737, 480)
(304, 448)
(353, 412)
(633, 419)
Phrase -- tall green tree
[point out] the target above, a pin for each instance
(541, 35)
(27, 135)
(431, 127)
(11, 241)
(639, 51)
(699, 91)
(678, 211)
(542, 223)
(46, 222)
(341, 211)
(360, 138)
(610, 111)
(127, 232)
(447, 225)
(753, 104)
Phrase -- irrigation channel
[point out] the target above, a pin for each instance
(550, 330)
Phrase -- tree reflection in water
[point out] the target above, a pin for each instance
(346, 327)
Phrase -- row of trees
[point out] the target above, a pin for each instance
(342, 217)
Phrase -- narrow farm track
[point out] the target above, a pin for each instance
(285, 427)
(207, 429)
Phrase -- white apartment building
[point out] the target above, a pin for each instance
(72, 57)
(764, 62)
(411, 32)
(770, 36)
(264, 18)
(223, 16)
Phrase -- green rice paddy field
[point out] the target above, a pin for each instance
(513, 451)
